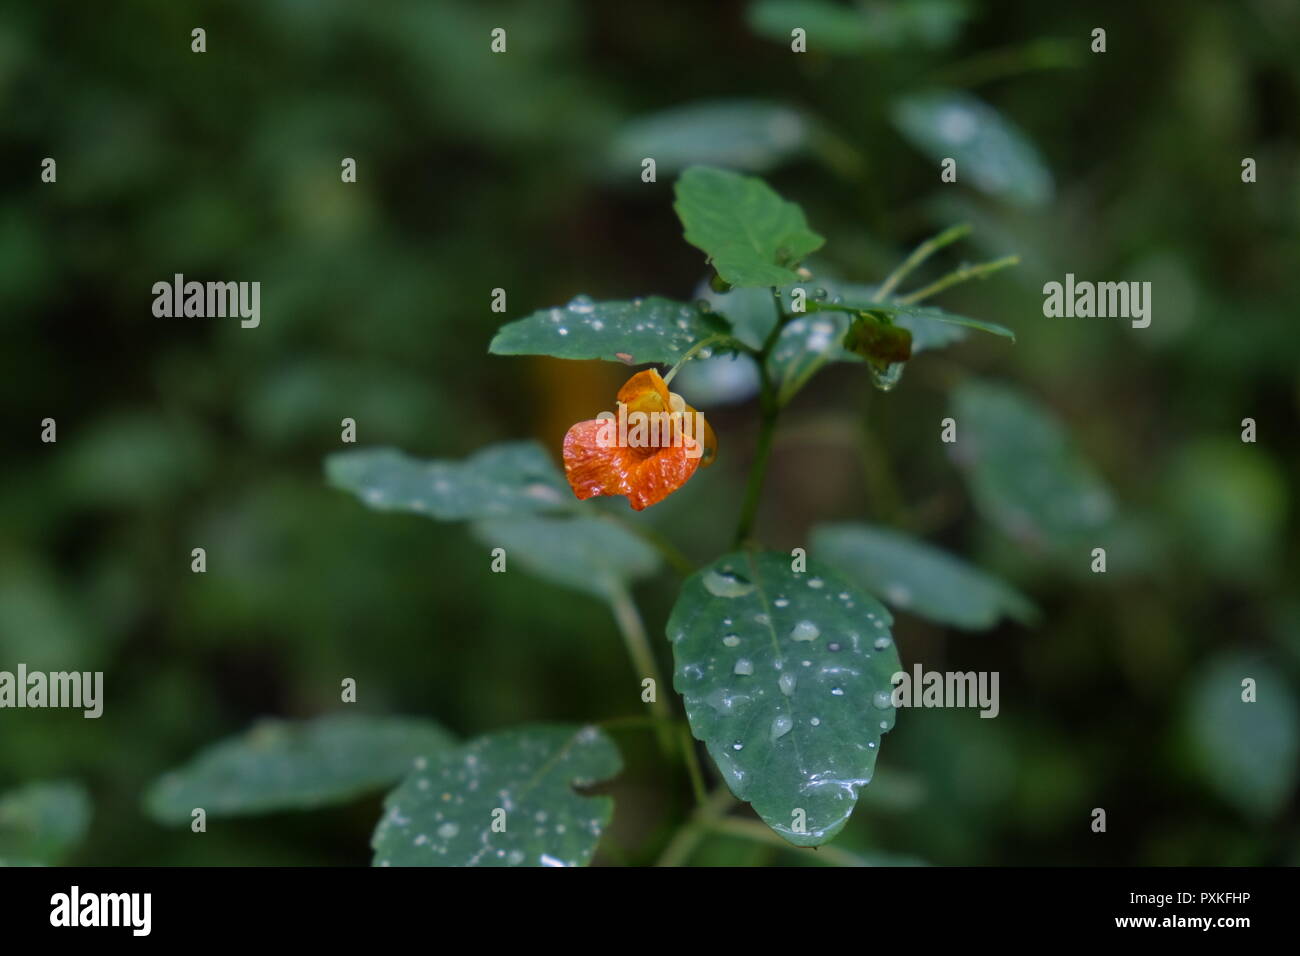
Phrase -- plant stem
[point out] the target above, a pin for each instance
(919, 255)
(690, 354)
(693, 765)
(688, 837)
(979, 271)
(669, 551)
(643, 659)
(758, 832)
(758, 470)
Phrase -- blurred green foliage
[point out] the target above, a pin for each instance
(521, 171)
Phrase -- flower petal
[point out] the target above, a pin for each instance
(596, 465)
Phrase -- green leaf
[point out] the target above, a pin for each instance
(751, 312)
(1246, 750)
(914, 576)
(510, 478)
(836, 28)
(992, 154)
(1024, 472)
(586, 553)
(806, 344)
(910, 316)
(443, 814)
(810, 341)
(295, 765)
(786, 679)
(752, 236)
(741, 134)
(41, 822)
(931, 328)
(642, 330)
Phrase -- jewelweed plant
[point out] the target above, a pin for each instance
(783, 662)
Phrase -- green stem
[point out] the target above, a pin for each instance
(686, 839)
(758, 832)
(643, 659)
(690, 354)
(693, 765)
(669, 551)
(1045, 54)
(979, 271)
(758, 470)
(919, 255)
(770, 403)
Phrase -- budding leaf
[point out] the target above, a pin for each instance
(752, 236)
(876, 339)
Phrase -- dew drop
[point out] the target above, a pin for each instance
(731, 640)
(726, 583)
(815, 583)
(886, 378)
(448, 830)
(744, 667)
(781, 726)
(582, 304)
(881, 700)
(881, 643)
(805, 631)
(786, 682)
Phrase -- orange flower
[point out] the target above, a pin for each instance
(647, 451)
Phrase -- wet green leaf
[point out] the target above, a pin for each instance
(584, 552)
(786, 679)
(1023, 470)
(295, 765)
(41, 822)
(525, 780)
(813, 339)
(741, 134)
(1246, 751)
(635, 332)
(750, 312)
(992, 153)
(509, 478)
(915, 316)
(914, 576)
(752, 236)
